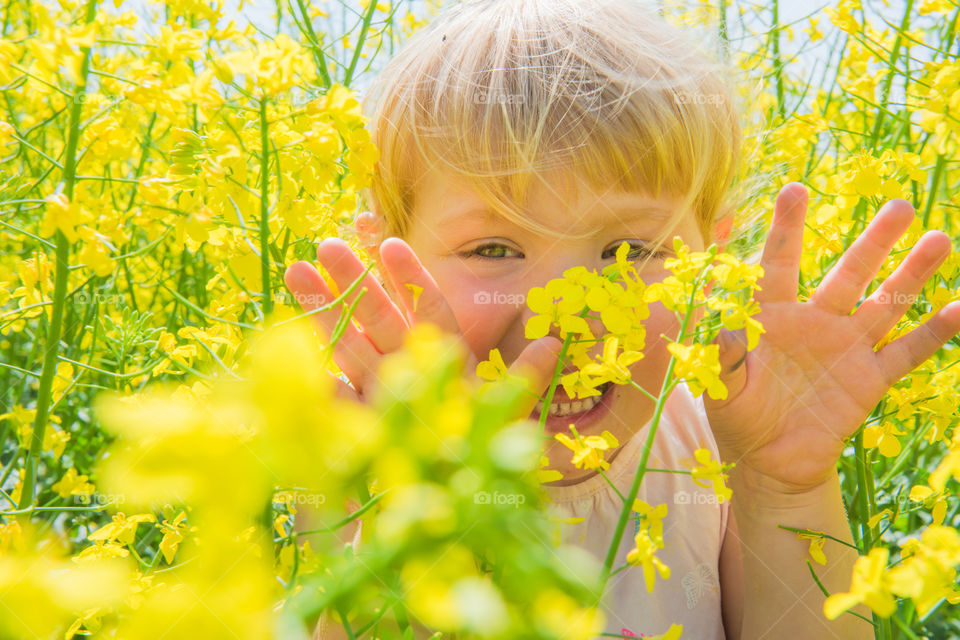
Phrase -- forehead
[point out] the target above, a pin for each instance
(563, 203)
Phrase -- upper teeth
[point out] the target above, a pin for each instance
(577, 406)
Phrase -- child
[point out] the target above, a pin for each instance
(522, 137)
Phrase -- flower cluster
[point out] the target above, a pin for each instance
(648, 539)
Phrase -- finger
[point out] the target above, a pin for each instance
(369, 232)
(354, 353)
(885, 306)
(382, 321)
(345, 391)
(428, 304)
(781, 252)
(842, 287)
(536, 365)
(908, 352)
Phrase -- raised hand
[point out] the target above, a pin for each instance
(814, 376)
(385, 318)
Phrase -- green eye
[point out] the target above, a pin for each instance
(637, 250)
(494, 251)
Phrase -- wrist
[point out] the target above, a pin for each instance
(758, 493)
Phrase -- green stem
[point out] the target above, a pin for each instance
(860, 457)
(265, 210)
(637, 478)
(52, 342)
(318, 54)
(934, 186)
(777, 62)
(548, 399)
(888, 81)
(367, 17)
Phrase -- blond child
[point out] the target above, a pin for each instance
(522, 137)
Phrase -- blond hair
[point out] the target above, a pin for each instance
(502, 91)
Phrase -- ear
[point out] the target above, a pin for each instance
(719, 235)
(721, 230)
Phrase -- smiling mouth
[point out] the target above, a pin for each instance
(574, 407)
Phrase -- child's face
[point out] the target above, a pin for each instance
(484, 265)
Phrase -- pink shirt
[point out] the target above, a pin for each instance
(693, 529)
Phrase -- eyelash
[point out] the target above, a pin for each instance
(637, 251)
(477, 249)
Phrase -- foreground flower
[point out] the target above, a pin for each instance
(588, 452)
(870, 586)
(651, 519)
(643, 556)
(699, 365)
(927, 573)
(713, 472)
(883, 436)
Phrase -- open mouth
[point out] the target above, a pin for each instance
(581, 413)
(561, 409)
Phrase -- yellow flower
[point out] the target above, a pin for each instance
(580, 384)
(927, 574)
(493, 369)
(870, 585)
(843, 16)
(713, 472)
(699, 365)
(734, 315)
(816, 545)
(61, 214)
(935, 501)
(544, 474)
(588, 452)
(883, 436)
(415, 291)
(688, 266)
(642, 555)
(734, 275)
(172, 536)
(122, 529)
(559, 303)
(613, 365)
(813, 33)
(949, 466)
(651, 519)
(72, 484)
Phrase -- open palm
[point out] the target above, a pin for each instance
(814, 376)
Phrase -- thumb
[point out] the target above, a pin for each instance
(733, 356)
(535, 365)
